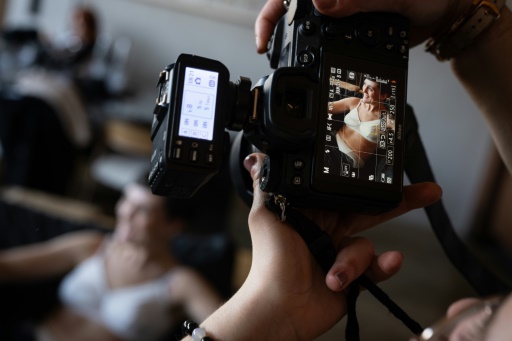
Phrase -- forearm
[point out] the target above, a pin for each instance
(47, 259)
(24, 264)
(485, 70)
(246, 316)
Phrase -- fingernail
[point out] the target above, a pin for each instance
(257, 43)
(342, 279)
(249, 162)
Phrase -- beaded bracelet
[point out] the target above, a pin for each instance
(463, 32)
(192, 329)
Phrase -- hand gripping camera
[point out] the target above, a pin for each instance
(330, 118)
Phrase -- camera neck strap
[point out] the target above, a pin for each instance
(417, 168)
(322, 248)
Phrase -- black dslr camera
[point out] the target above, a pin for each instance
(330, 118)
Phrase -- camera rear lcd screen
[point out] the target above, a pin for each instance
(198, 104)
(362, 118)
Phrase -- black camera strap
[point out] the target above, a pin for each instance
(418, 169)
(322, 248)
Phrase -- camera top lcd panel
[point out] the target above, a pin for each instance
(361, 63)
(187, 144)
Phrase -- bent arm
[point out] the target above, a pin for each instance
(343, 105)
(51, 258)
(485, 70)
(194, 293)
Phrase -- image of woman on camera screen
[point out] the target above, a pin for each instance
(358, 122)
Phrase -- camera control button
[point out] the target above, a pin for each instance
(305, 58)
(390, 46)
(210, 159)
(297, 180)
(403, 49)
(390, 31)
(330, 30)
(177, 153)
(369, 34)
(348, 37)
(298, 164)
(308, 27)
(193, 155)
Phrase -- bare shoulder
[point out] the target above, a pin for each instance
(345, 104)
(352, 101)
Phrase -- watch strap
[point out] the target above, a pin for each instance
(479, 16)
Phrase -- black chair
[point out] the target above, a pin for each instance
(37, 153)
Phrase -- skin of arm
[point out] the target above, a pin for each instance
(343, 105)
(485, 71)
(194, 293)
(50, 258)
(286, 295)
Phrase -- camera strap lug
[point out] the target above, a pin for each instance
(280, 206)
(255, 109)
(317, 240)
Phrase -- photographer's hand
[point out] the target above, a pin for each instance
(338, 226)
(285, 296)
(426, 16)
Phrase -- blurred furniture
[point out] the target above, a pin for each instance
(77, 213)
(106, 76)
(124, 155)
(38, 150)
(18, 50)
(54, 122)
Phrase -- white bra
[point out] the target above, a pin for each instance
(369, 129)
(139, 312)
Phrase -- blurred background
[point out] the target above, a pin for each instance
(108, 110)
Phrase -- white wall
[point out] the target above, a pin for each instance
(453, 131)
(159, 35)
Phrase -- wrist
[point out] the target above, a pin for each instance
(248, 315)
(491, 44)
(470, 23)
